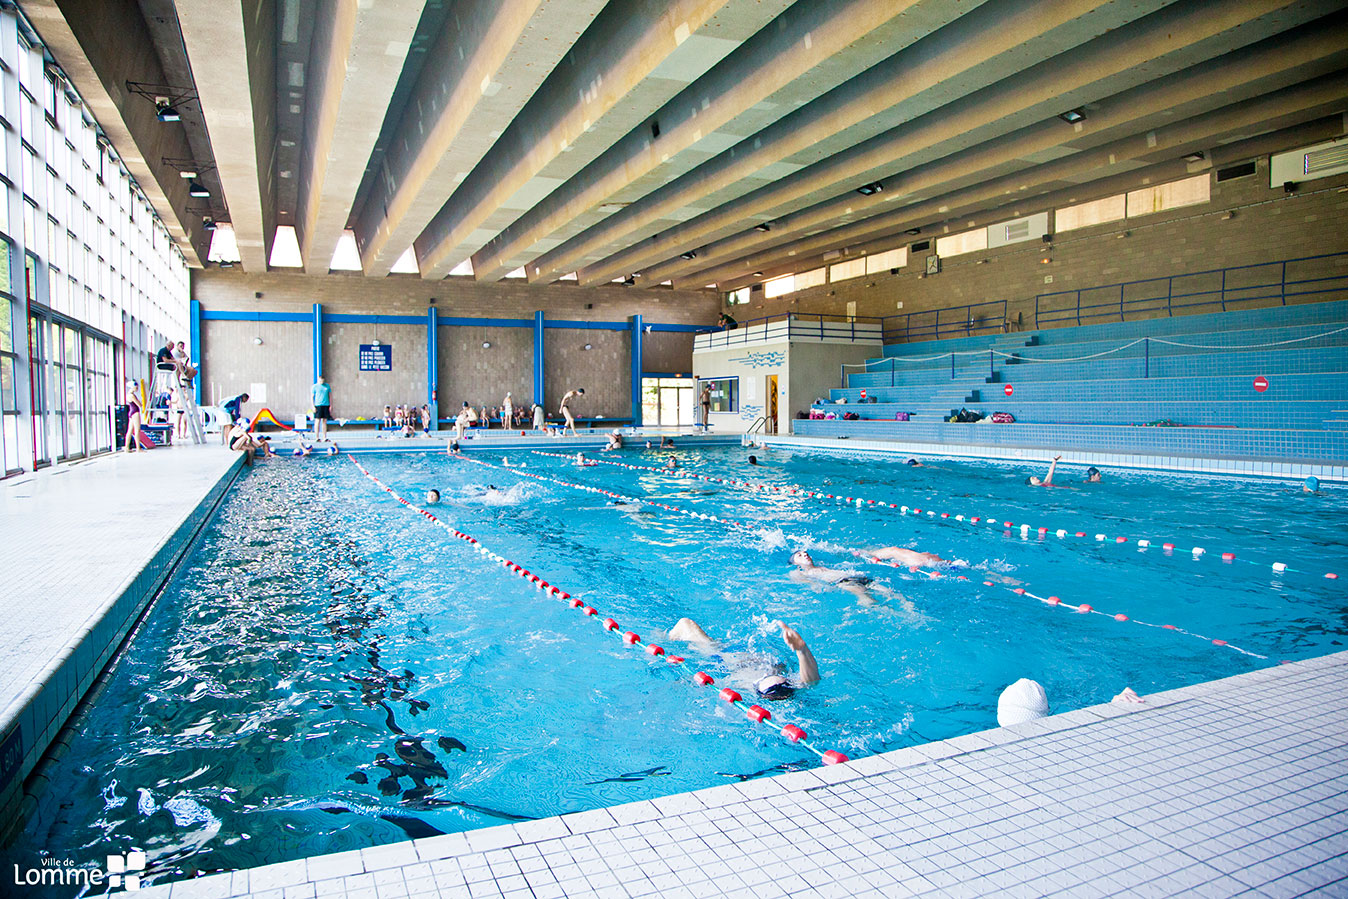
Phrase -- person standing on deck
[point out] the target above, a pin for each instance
(321, 394)
(565, 410)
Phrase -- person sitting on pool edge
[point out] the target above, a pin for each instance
(770, 686)
(615, 442)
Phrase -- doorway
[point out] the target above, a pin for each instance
(667, 402)
(770, 405)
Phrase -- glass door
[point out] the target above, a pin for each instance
(37, 380)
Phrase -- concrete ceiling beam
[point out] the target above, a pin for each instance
(1169, 41)
(101, 45)
(989, 43)
(232, 48)
(576, 107)
(491, 57)
(804, 36)
(357, 55)
(1270, 112)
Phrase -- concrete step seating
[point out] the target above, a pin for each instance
(1209, 385)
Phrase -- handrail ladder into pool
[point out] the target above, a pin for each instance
(755, 713)
(1052, 600)
(1168, 547)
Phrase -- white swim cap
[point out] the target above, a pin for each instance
(1023, 701)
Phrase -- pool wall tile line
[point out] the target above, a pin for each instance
(62, 627)
(1327, 473)
(1225, 788)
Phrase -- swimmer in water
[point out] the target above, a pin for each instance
(432, 496)
(1047, 479)
(615, 442)
(908, 558)
(581, 460)
(914, 463)
(753, 460)
(1092, 475)
(773, 685)
(670, 464)
(806, 572)
(1311, 485)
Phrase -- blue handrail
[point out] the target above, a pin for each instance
(1050, 310)
(951, 321)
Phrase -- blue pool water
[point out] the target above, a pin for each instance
(330, 671)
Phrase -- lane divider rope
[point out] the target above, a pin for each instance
(1025, 530)
(934, 574)
(755, 713)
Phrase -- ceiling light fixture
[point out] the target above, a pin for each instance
(1195, 156)
(168, 99)
(758, 274)
(913, 231)
(762, 226)
(874, 187)
(197, 189)
(691, 254)
(630, 280)
(208, 223)
(166, 111)
(1072, 116)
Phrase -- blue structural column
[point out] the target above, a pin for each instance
(538, 358)
(433, 367)
(318, 341)
(634, 323)
(194, 336)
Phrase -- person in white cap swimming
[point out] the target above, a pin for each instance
(806, 572)
(1023, 701)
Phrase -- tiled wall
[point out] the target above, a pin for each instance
(603, 370)
(357, 393)
(482, 375)
(231, 362)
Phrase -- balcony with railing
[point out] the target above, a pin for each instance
(798, 326)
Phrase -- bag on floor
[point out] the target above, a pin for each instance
(1003, 418)
(900, 416)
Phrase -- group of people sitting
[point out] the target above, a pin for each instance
(408, 419)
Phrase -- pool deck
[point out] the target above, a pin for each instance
(1237, 787)
(1233, 787)
(86, 546)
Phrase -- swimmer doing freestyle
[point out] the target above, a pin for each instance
(773, 685)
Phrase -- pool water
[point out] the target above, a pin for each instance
(330, 671)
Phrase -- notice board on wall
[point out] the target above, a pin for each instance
(376, 357)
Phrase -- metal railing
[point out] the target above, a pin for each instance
(988, 317)
(1222, 289)
(791, 324)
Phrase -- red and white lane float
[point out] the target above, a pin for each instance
(757, 714)
(933, 574)
(1025, 530)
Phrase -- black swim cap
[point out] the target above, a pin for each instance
(1092, 470)
(911, 462)
(774, 686)
(753, 460)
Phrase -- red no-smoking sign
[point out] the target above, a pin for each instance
(1007, 390)
(1261, 384)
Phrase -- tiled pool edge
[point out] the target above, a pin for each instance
(341, 873)
(31, 725)
(1328, 472)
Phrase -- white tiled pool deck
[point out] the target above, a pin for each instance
(1236, 787)
(85, 546)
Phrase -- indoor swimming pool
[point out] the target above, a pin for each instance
(329, 670)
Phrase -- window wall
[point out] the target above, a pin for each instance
(87, 270)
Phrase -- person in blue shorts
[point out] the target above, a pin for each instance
(322, 397)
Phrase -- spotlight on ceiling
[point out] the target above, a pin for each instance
(166, 111)
(208, 223)
(691, 254)
(1072, 116)
(630, 280)
(1195, 156)
(188, 174)
(758, 274)
(913, 231)
(762, 226)
(867, 190)
(197, 189)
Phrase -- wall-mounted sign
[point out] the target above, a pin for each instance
(1008, 390)
(376, 357)
(1261, 384)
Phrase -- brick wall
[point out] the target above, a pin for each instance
(1264, 225)
(467, 370)
(231, 363)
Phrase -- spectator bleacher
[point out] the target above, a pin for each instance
(1183, 386)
